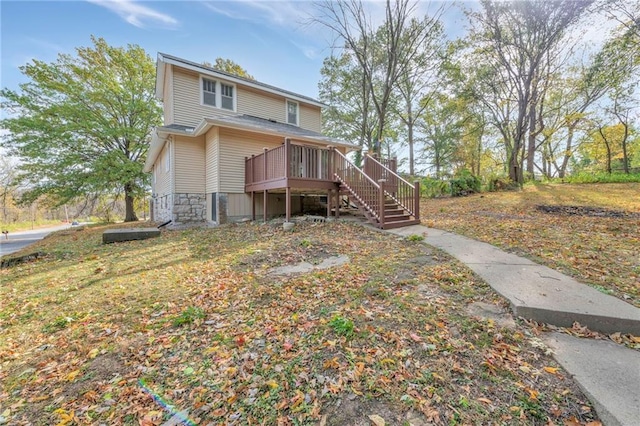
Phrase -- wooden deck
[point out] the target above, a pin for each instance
(385, 198)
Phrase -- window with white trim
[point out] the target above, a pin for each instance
(208, 92)
(217, 94)
(292, 112)
(226, 96)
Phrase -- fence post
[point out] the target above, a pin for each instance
(416, 195)
(381, 183)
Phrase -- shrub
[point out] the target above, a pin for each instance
(464, 184)
(433, 188)
(500, 183)
(600, 177)
(415, 238)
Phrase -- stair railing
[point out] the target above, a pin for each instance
(402, 192)
(368, 192)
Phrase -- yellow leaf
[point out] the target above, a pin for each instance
(377, 420)
(551, 370)
(72, 376)
(93, 353)
(533, 394)
(388, 361)
(437, 377)
(272, 384)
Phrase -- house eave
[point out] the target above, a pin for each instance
(207, 123)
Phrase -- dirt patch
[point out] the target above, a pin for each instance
(586, 211)
(102, 369)
(354, 411)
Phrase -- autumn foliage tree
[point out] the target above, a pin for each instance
(81, 125)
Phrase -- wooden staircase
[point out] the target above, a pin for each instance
(394, 215)
(390, 202)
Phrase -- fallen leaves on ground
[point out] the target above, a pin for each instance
(589, 231)
(193, 325)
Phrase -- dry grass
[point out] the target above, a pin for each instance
(195, 320)
(599, 250)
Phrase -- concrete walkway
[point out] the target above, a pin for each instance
(609, 374)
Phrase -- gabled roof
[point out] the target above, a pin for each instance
(239, 122)
(164, 58)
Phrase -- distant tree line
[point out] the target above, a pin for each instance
(519, 96)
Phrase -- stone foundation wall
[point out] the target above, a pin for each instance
(161, 207)
(189, 208)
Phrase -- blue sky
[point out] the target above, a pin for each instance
(270, 39)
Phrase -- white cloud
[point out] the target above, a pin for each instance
(137, 14)
(279, 13)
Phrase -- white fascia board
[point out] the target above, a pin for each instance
(155, 148)
(239, 81)
(160, 73)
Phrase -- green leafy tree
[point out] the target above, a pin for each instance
(81, 125)
(230, 67)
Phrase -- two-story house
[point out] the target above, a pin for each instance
(234, 148)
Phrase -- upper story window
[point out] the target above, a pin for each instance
(208, 92)
(226, 92)
(292, 112)
(217, 94)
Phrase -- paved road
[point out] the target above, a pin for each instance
(18, 240)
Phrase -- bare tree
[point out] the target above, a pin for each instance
(517, 41)
(384, 52)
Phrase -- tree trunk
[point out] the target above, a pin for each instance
(130, 212)
(625, 155)
(531, 143)
(567, 152)
(411, 160)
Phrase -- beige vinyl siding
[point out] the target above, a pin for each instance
(212, 152)
(310, 118)
(167, 103)
(235, 145)
(261, 104)
(188, 110)
(189, 164)
(162, 184)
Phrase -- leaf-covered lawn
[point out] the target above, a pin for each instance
(196, 324)
(591, 232)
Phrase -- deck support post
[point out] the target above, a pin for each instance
(381, 199)
(337, 191)
(264, 206)
(416, 194)
(288, 205)
(253, 205)
(329, 202)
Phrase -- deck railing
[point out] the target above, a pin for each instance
(402, 192)
(378, 169)
(304, 162)
(368, 192)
